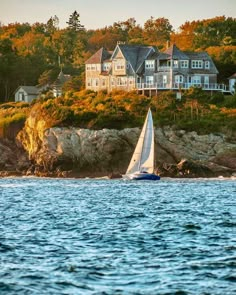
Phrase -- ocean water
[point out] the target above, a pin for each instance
(88, 236)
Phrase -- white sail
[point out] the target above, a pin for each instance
(143, 157)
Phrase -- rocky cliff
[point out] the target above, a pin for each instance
(40, 150)
(94, 153)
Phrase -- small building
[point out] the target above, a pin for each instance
(232, 83)
(26, 93)
(58, 84)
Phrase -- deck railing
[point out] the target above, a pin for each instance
(178, 86)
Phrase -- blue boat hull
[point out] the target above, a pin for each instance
(142, 176)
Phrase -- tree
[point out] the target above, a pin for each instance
(157, 31)
(74, 22)
(52, 24)
(184, 38)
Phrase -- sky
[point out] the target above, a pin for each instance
(95, 14)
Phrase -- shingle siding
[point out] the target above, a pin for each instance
(127, 63)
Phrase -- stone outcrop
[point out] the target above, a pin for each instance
(95, 153)
(13, 159)
(73, 152)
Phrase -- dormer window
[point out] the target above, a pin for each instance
(175, 63)
(149, 64)
(197, 64)
(184, 64)
(207, 64)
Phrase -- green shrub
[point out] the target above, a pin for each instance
(230, 101)
(217, 98)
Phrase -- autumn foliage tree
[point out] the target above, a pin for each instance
(30, 54)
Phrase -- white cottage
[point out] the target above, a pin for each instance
(26, 93)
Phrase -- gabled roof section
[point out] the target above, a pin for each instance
(101, 55)
(29, 89)
(61, 79)
(175, 53)
(135, 54)
(152, 55)
(205, 57)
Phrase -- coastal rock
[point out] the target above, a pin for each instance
(13, 159)
(77, 152)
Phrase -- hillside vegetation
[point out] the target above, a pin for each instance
(196, 111)
(34, 54)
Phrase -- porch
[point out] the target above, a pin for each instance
(182, 86)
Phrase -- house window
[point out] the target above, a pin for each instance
(197, 64)
(119, 65)
(88, 67)
(106, 67)
(139, 80)
(184, 64)
(164, 79)
(196, 80)
(94, 82)
(122, 81)
(175, 63)
(206, 80)
(131, 81)
(89, 82)
(207, 64)
(179, 79)
(93, 67)
(149, 64)
(103, 82)
(149, 80)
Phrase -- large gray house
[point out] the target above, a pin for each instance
(137, 67)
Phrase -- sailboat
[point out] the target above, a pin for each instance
(141, 166)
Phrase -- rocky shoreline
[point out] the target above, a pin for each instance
(78, 153)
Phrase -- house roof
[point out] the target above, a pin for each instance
(232, 76)
(101, 55)
(175, 53)
(29, 89)
(61, 79)
(135, 54)
(205, 57)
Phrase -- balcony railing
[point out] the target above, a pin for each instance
(177, 86)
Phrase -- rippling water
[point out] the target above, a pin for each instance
(63, 236)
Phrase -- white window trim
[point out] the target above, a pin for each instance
(149, 80)
(106, 67)
(184, 64)
(119, 65)
(179, 79)
(164, 79)
(196, 79)
(175, 63)
(207, 64)
(149, 64)
(197, 64)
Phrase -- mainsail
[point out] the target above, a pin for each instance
(143, 157)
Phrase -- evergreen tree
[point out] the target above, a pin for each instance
(74, 22)
(52, 24)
